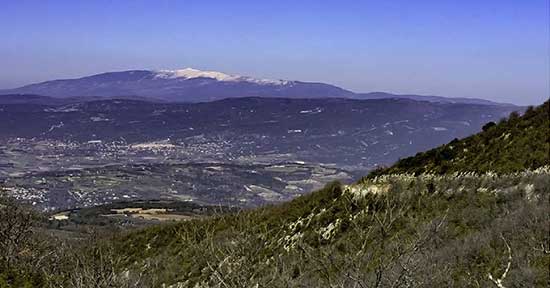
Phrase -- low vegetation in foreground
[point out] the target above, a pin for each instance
(399, 227)
(393, 231)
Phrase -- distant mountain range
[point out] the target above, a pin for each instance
(191, 85)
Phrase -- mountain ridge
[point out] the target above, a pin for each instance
(192, 85)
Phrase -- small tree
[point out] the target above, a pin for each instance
(487, 126)
(16, 230)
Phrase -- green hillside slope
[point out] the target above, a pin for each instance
(514, 144)
(425, 231)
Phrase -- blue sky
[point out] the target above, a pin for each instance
(490, 49)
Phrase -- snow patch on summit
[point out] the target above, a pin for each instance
(190, 73)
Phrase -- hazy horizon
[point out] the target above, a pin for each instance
(495, 50)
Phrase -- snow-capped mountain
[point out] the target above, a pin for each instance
(184, 85)
(192, 85)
